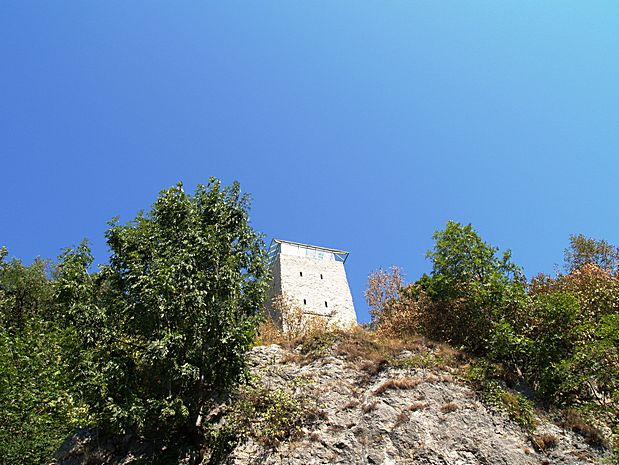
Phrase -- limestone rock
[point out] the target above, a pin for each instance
(434, 421)
(386, 416)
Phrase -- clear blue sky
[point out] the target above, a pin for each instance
(360, 125)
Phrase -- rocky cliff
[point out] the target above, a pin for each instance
(354, 402)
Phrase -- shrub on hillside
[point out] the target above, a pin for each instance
(469, 289)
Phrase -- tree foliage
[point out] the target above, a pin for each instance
(559, 335)
(37, 410)
(168, 321)
(470, 288)
(383, 289)
(144, 344)
(584, 250)
(25, 291)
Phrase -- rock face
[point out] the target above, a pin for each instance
(400, 416)
(368, 413)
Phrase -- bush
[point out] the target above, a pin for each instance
(270, 416)
(486, 380)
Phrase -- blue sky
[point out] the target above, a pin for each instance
(360, 125)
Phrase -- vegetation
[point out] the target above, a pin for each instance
(36, 408)
(145, 344)
(270, 415)
(555, 338)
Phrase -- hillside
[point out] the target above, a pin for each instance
(356, 399)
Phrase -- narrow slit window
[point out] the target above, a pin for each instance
(320, 275)
(301, 273)
(304, 302)
(326, 304)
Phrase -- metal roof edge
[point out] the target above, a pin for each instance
(317, 247)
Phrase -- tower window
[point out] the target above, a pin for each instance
(304, 302)
(320, 275)
(326, 304)
(301, 273)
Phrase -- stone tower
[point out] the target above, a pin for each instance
(314, 278)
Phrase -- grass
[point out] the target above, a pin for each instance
(449, 407)
(545, 441)
(399, 383)
(404, 415)
(574, 421)
(369, 406)
(371, 352)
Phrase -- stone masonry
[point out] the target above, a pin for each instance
(316, 282)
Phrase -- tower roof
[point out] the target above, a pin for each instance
(275, 247)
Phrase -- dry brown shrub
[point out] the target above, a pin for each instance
(545, 441)
(383, 287)
(404, 415)
(359, 343)
(351, 404)
(400, 310)
(269, 333)
(417, 406)
(593, 436)
(399, 383)
(402, 418)
(295, 322)
(287, 324)
(449, 407)
(395, 311)
(369, 406)
(583, 455)
(445, 350)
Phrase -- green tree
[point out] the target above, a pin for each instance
(37, 410)
(471, 287)
(25, 291)
(181, 300)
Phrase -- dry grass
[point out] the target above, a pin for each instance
(449, 407)
(399, 383)
(402, 418)
(292, 324)
(404, 415)
(351, 404)
(369, 406)
(417, 406)
(269, 333)
(370, 351)
(446, 379)
(545, 441)
(593, 436)
(373, 367)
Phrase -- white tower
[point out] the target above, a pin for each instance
(314, 278)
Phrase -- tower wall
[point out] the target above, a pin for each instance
(318, 287)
